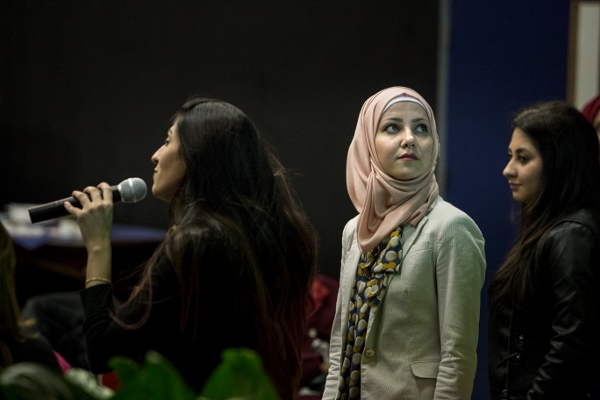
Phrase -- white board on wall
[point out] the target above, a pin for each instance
(585, 52)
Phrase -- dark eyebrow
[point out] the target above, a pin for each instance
(402, 119)
(521, 150)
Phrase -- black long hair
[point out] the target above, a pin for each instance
(234, 185)
(12, 329)
(569, 149)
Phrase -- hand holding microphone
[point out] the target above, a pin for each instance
(95, 218)
(131, 190)
(93, 208)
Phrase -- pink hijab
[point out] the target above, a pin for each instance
(382, 201)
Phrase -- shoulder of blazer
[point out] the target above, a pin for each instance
(442, 221)
(441, 208)
(443, 213)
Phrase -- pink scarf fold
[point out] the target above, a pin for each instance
(382, 201)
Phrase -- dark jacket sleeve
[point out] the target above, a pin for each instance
(106, 336)
(103, 336)
(569, 256)
(36, 349)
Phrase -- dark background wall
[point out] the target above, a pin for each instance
(503, 56)
(87, 90)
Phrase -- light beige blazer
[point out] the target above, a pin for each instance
(422, 342)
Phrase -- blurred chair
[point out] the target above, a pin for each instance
(315, 354)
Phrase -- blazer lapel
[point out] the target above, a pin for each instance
(409, 242)
(412, 238)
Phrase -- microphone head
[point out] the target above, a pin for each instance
(132, 190)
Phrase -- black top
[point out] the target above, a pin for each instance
(548, 348)
(225, 317)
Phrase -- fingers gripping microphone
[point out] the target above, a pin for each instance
(131, 190)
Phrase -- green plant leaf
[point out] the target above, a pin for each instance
(87, 381)
(239, 375)
(126, 369)
(156, 379)
(31, 381)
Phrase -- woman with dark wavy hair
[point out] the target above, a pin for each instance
(545, 298)
(235, 269)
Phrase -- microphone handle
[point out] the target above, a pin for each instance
(56, 209)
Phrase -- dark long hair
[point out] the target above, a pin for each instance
(568, 145)
(11, 326)
(235, 186)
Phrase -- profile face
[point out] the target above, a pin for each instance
(524, 168)
(403, 141)
(170, 167)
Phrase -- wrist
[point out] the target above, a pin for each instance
(98, 269)
(98, 247)
(96, 280)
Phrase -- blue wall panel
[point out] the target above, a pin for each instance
(503, 56)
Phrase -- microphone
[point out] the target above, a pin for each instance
(131, 190)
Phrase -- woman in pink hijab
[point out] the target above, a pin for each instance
(412, 269)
